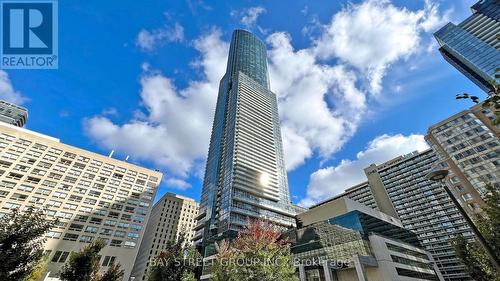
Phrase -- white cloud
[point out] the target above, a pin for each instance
(250, 15)
(333, 180)
(7, 91)
(175, 130)
(178, 183)
(321, 101)
(309, 122)
(374, 34)
(149, 40)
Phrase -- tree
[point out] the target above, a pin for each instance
(21, 242)
(473, 256)
(84, 265)
(177, 262)
(39, 269)
(114, 273)
(258, 253)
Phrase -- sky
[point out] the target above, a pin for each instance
(358, 82)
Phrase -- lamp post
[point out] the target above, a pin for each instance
(440, 176)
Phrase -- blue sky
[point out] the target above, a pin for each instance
(358, 82)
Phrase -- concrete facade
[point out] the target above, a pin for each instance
(172, 215)
(93, 196)
(468, 145)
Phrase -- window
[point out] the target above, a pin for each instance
(64, 215)
(86, 238)
(133, 235)
(91, 229)
(60, 256)
(95, 220)
(129, 244)
(108, 261)
(70, 237)
(116, 243)
(106, 231)
(90, 201)
(10, 206)
(53, 234)
(81, 218)
(75, 227)
(467, 196)
(85, 209)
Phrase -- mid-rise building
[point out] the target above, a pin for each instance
(399, 187)
(472, 46)
(468, 144)
(245, 174)
(93, 196)
(342, 239)
(13, 114)
(172, 216)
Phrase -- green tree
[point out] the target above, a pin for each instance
(471, 253)
(258, 253)
(38, 270)
(21, 242)
(177, 262)
(114, 273)
(84, 265)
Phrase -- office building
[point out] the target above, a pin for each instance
(245, 174)
(468, 144)
(171, 216)
(473, 46)
(13, 114)
(93, 196)
(399, 188)
(342, 240)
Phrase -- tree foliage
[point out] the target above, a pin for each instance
(21, 242)
(114, 273)
(39, 269)
(258, 253)
(177, 262)
(84, 265)
(473, 256)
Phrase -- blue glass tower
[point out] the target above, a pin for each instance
(472, 47)
(245, 176)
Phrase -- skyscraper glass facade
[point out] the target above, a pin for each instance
(472, 46)
(245, 174)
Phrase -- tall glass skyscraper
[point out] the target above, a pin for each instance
(472, 46)
(245, 174)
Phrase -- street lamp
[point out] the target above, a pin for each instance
(440, 176)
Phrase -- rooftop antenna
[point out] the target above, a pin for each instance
(111, 153)
(126, 158)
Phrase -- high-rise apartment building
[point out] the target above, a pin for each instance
(473, 46)
(468, 144)
(245, 175)
(399, 188)
(93, 196)
(172, 215)
(13, 114)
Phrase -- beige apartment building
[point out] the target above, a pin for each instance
(172, 215)
(93, 196)
(468, 145)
